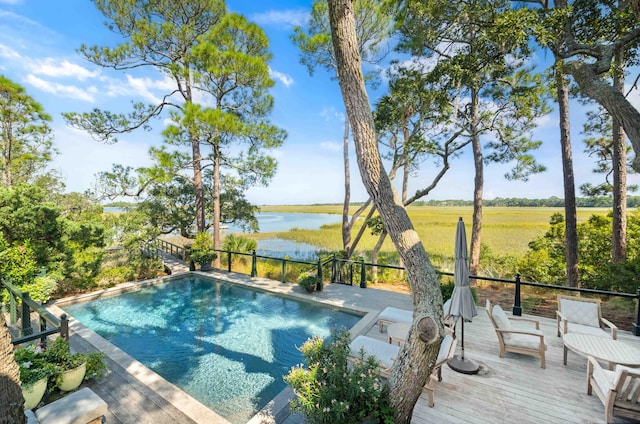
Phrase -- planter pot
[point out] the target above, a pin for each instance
(309, 289)
(71, 379)
(34, 393)
(205, 266)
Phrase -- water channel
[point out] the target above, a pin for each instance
(275, 221)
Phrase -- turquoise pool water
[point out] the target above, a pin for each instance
(226, 345)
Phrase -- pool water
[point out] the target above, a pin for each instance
(226, 345)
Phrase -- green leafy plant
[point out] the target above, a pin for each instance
(329, 389)
(307, 279)
(33, 365)
(58, 353)
(202, 249)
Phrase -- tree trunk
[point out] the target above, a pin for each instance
(216, 203)
(417, 355)
(611, 99)
(11, 400)
(619, 224)
(571, 220)
(346, 223)
(478, 186)
(374, 256)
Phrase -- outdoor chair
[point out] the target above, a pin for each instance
(618, 390)
(390, 315)
(81, 407)
(515, 339)
(582, 315)
(386, 353)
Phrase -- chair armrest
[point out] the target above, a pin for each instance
(591, 365)
(536, 333)
(560, 315)
(536, 322)
(612, 326)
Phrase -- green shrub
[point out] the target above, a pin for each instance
(330, 390)
(117, 275)
(42, 288)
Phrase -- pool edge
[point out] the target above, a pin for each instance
(276, 410)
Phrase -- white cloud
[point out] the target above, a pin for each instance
(81, 158)
(283, 78)
(11, 2)
(62, 90)
(55, 68)
(332, 114)
(285, 19)
(331, 146)
(144, 87)
(8, 53)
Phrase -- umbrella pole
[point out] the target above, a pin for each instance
(462, 347)
(459, 363)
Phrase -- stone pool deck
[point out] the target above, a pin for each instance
(510, 389)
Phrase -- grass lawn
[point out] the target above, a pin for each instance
(505, 230)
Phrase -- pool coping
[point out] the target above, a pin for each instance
(276, 410)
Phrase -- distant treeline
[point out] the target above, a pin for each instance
(582, 202)
(551, 202)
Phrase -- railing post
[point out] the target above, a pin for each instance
(43, 328)
(319, 284)
(254, 267)
(350, 273)
(333, 269)
(26, 316)
(64, 326)
(363, 277)
(229, 261)
(517, 309)
(13, 305)
(635, 327)
(284, 270)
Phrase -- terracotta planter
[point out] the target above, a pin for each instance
(33, 394)
(71, 379)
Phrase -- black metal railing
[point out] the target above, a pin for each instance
(346, 271)
(27, 305)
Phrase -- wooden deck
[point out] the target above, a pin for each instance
(507, 390)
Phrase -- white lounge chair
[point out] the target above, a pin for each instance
(390, 315)
(80, 407)
(516, 339)
(582, 315)
(386, 353)
(618, 390)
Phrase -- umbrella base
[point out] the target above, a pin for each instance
(463, 365)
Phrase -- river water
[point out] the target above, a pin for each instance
(274, 222)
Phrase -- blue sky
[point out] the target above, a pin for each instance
(38, 42)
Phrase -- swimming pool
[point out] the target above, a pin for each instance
(225, 345)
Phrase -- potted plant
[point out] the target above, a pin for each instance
(308, 281)
(202, 251)
(73, 368)
(34, 374)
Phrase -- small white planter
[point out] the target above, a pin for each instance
(71, 379)
(33, 394)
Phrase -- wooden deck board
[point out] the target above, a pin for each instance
(507, 390)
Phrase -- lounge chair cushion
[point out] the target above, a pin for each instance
(445, 346)
(78, 407)
(385, 353)
(585, 313)
(586, 329)
(524, 340)
(502, 321)
(396, 315)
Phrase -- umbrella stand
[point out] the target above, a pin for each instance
(460, 364)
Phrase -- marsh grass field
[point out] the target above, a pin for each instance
(505, 230)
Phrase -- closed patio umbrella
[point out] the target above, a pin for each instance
(462, 304)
